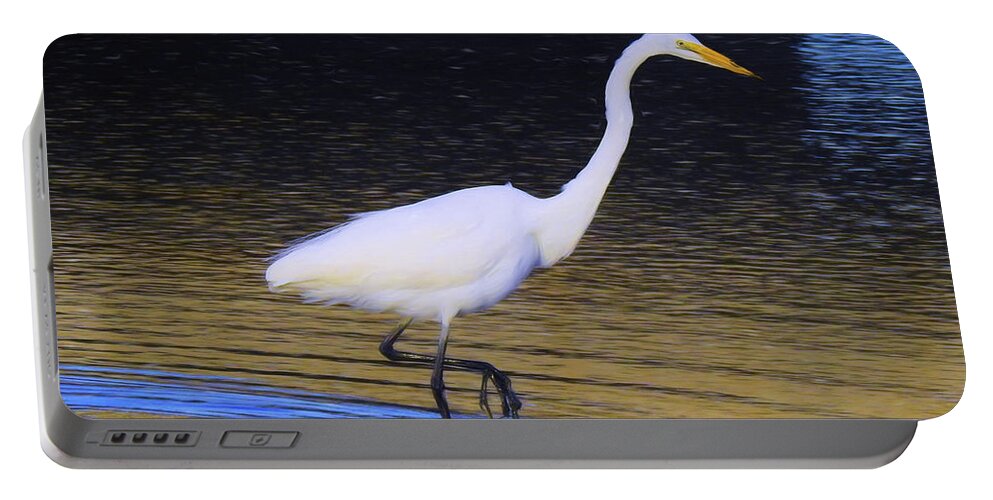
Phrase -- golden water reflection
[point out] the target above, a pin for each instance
(679, 327)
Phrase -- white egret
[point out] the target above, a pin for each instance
(464, 251)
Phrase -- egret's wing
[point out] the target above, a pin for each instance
(438, 243)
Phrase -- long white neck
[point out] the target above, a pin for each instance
(564, 218)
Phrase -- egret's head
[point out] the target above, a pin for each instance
(686, 46)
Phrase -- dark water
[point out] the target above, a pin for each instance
(767, 248)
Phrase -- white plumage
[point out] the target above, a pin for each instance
(454, 254)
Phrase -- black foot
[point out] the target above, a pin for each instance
(509, 402)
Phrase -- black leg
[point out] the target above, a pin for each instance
(509, 401)
(438, 374)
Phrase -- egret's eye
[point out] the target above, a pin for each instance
(681, 44)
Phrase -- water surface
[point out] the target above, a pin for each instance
(767, 248)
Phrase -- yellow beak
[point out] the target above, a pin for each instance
(715, 58)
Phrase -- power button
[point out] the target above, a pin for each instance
(260, 439)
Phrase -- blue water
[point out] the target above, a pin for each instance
(91, 388)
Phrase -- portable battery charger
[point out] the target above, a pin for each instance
(654, 250)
